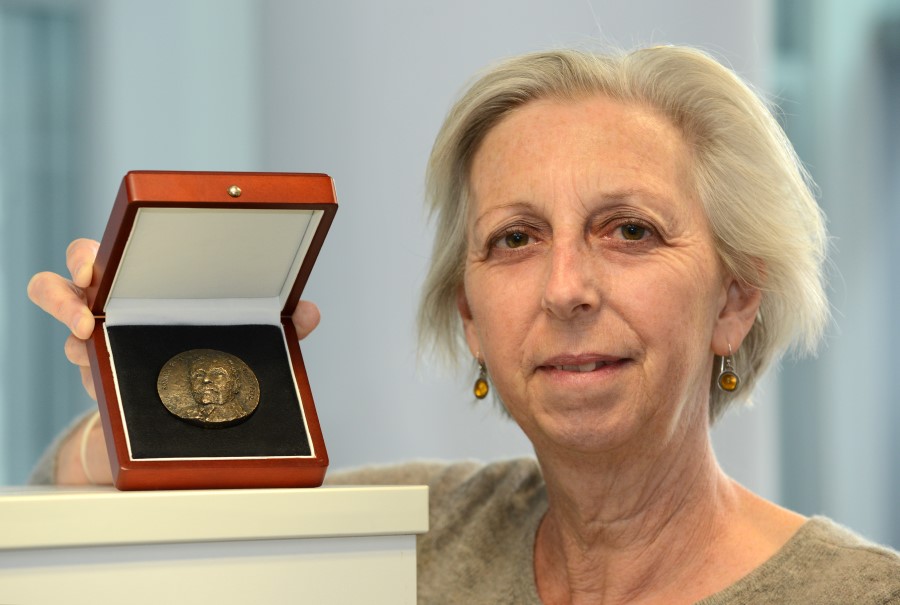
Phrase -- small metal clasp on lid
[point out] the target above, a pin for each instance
(234, 191)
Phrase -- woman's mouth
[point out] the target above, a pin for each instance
(574, 365)
(583, 367)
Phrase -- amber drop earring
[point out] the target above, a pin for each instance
(481, 388)
(728, 380)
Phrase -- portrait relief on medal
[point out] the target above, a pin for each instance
(208, 387)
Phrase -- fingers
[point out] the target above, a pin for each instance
(80, 257)
(76, 351)
(88, 381)
(63, 300)
(306, 317)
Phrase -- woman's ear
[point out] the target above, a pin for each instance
(736, 316)
(465, 313)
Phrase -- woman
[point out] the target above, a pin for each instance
(629, 241)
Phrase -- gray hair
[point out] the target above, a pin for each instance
(768, 229)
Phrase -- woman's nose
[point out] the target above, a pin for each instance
(571, 289)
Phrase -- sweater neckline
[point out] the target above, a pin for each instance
(764, 573)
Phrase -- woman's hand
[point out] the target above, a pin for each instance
(64, 300)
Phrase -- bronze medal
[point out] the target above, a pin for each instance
(208, 387)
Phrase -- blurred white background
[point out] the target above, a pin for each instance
(91, 89)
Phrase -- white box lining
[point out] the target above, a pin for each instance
(222, 266)
(194, 312)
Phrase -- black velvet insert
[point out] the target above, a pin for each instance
(276, 428)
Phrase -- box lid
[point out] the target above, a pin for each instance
(179, 243)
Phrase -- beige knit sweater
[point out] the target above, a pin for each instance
(484, 518)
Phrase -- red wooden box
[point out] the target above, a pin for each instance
(208, 260)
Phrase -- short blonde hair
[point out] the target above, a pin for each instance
(768, 229)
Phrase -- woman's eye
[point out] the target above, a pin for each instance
(516, 239)
(633, 232)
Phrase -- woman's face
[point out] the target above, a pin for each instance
(592, 287)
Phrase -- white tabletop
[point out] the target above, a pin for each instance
(49, 517)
